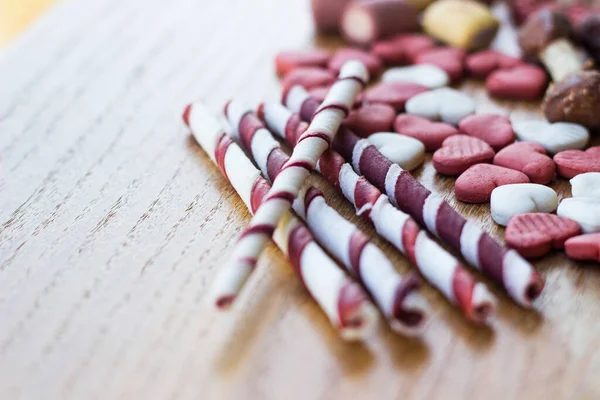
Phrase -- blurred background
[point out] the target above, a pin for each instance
(15, 15)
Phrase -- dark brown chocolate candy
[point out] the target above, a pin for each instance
(575, 99)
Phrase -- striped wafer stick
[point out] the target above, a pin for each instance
(397, 296)
(438, 266)
(505, 267)
(343, 300)
(325, 124)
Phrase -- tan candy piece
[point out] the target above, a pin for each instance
(460, 23)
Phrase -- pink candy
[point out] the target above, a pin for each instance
(496, 130)
(476, 184)
(371, 118)
(523, 82)
(483, 63)
(286, 61)
(402, 49)
(394, 94)
(574, 162)
(373, 63)
(529, 158)
(535, 234)
(584, 247)
(432, 134)
(308, 77)
(449, 59)
(459, 152)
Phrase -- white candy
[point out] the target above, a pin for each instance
(586, 185)
(403, 150)
(428, 75)
(584, 210)
(520, 198)
(555, 137)
(447, 104)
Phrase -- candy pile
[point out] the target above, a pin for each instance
(365, 141)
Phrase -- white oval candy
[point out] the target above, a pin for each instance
(428, 75)
(403, 150)
(447, 104)
(586, 185)
(584, 210)
(520, 198)
(555, 137)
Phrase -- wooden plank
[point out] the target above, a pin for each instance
(114, 223)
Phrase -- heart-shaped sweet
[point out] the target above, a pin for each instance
(535, 234)
(400, 149)
(521, 198)
(308, 77)
(484, 62)
(476, 184)
(459, 152)
(432, 134)
(320, 92)
(394, 94)
(523, 82)
(586, 185)
(449, 59)
(574, 162)
(555, 137)
(584, 247)
(494, 129)
(529, 158)
(449, 105)
(403, 48)
(371, 118)
(371, 62)
(289, 60)
(425, 74)
(584, 210)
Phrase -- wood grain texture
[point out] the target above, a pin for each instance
(114, 223)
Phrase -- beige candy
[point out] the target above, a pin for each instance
(460, 23)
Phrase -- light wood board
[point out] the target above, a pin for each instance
(114, 223)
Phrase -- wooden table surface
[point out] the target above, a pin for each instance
(114, 223)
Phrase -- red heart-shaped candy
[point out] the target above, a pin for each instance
(483, 63)
(370, 119)
(394, 94)
(476, 184)
(372, 62)
(530, 158)
(496, 130)
(403, 48)
(459, 152)
(523, 82)
(574, 162)
(449, 59)
(308, 77)
(535, 234)
(584, 247)
(432, 134)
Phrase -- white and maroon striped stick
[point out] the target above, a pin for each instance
(325, 124)
(505, 267)
(343, 300)
(438, 266)
(396, 296)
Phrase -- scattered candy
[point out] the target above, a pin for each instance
(431, 134)
(308, 77)
(584, 247)
(436, 264)
(394, 94)
(505, 267)
(287, 61)
(344, 302)
(403, 150)
(345, 54)
(571, 163)
(586, 185)
(476, 184)
(510, 200)
(533, 235)
(483, 63)
(449, 59)
(529, 158)
(326, 122)
(403, 48)
(364, 22)
(461, 23)
(327, 14)
(494, 129)
(523, 82)
(427, 75)
(459, 152)
(584, 210)
(555, 137)
(371, 118)
(449, 105)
